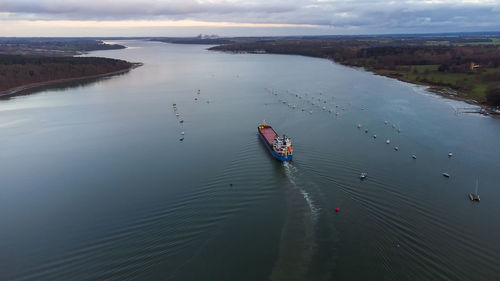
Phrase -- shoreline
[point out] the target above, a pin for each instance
(19, 89)
(442, 91)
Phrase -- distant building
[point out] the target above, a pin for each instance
(207, 36)
(473, 66)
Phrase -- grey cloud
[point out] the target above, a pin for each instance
(126, 9)
(374, 15)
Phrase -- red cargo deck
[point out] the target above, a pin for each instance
(281, 149)
(268, 133)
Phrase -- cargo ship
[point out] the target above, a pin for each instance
(280, 147)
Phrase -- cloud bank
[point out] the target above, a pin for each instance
(375, 16)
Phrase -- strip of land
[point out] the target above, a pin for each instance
(53, 46)
(31, 63)
(16, 90)
(465, 67)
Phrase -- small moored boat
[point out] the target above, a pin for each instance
(475, 196)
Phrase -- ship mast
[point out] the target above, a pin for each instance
(477, 184)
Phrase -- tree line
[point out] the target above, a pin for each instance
(17, 70)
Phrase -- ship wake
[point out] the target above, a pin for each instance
(292, 172)
(297, 243)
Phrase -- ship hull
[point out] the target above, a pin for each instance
(276, 156)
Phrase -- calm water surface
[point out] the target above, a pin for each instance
(96, 184)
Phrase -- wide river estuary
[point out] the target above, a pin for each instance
(96, 183)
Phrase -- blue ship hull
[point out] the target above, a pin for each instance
(281, 158)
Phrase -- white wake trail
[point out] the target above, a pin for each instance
(291, 172)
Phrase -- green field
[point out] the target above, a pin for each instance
(494, 41)
(473, 85)
(437, 43)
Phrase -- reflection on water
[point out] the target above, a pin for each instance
(62, 86)
(97, 185)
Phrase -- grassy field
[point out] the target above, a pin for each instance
(437, 43)
(494, 41)
(473, 85)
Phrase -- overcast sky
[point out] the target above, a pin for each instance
(240, 18)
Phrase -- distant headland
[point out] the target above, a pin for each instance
(27, 63)
(463, 66)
